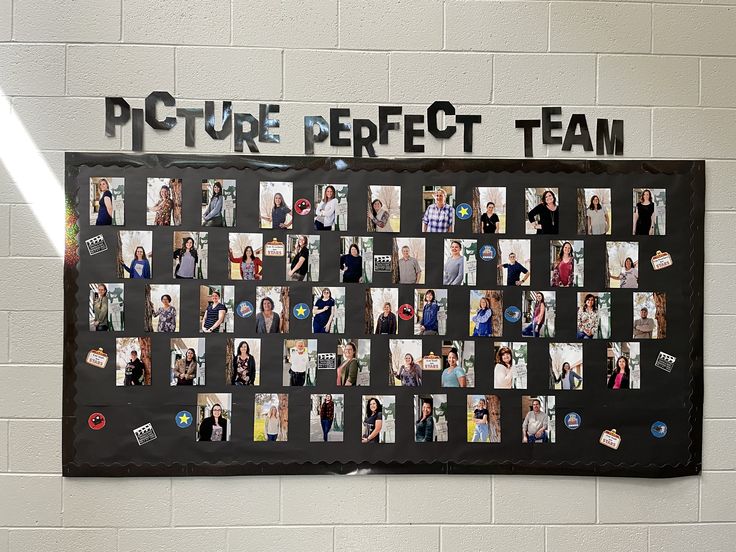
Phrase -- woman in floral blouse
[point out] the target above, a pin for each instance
(588, 318)
(164, 207)
(166, 315)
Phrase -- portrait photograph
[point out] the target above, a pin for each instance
(538, 419)
(273, 309)
(407, 261)
(187, 361)
(327, 418)
(275, 205)
(460, 262)
(106, 307)
(438, 208)
(353, 362)
(384, 209)
(514, 262)
(135, 254)
(162, 308)
(302, 258)
(650, 211)
(245, 256)
(622, 264)
(271, 417)
(163, 201)
(331, 207)
(484, 419)
(190, 255)
(542, 210)
(538, 313)
(216, 308)
(458, 363)
(214, 417)
(510, 370)
(381, 305)
(594, 315)
(405, 362)
(566, 366)
(489, 210)
(567, 267)
(107, 197)
(430, 311)
(623, 365)
(300, 362)
(356, 259)
(132, 361)
(378, 420)
(430, 418)
(594, 211)
(650, 321)
(328, 310)
(218, 202)
(243, 361)
(486, 312)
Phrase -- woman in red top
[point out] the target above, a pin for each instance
(250, 265)
(563, 271)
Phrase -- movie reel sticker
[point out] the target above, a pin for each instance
(302, 206)
(144, 434)
(381, 263)
(326, 361)
(97, 358)
(665, 362)
(609, 438)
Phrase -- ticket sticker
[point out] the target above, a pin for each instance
(96, 244)
(611, 439)
(274, 248)
(97, 358)
(661, 260)
(144, 434)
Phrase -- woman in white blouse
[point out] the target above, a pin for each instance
(325, 210)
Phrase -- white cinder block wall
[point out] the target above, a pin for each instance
(667, 69)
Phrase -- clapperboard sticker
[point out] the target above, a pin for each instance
(611, 439)
(661, 260)
(274, 248)
(97, 358)
(96, 244)
(326, 361)
(381, 263)
(144, 434)
(665, 362)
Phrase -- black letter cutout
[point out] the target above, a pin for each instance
(310, 121)
(548, 125)
(359, 142)
(137, 130)
(528, 125)
(432, 111)
(266, 123)
(227, 120)
(336, 126)
(249, 137)
(613, 143)
(468, 121)
(190, 115)
(151, 100)
(582, 139)
(410, 133)
(111, 120)
(383, 125)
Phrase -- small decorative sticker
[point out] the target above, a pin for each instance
(406, 311)
(611, 439)
(96, 244)
(326, 361)
(301, 311)
(431, 362)
(665, 362)
(381, 263)
(96, 421)
(274, 248)
(144, 434)
(244, 309)
(302, 206)
(512, 314)
(183, 420)
(487, 253)
(97, 358)
(659, 429)
(661, 260)
(464, 211)
(572, 420)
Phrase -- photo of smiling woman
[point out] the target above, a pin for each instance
(649, 212)
(245, 264)
(430, 311)
(105, 209)
(330, 207)
(244, 365)
(384, 208)
(106, 201)
(323, 312)
(106, 307)
(510, 371)
(489, 210)
(326, 420)
(593, 318)
(135, 247)
(593, 211)
(538, 315)
(186, 257)
(297, 267)
(379, 419)
(622, 264)
(218, 202)
(271, 420)
(166, 311)
(275, 204)
(623, 365)
(543, 212)
(566, 366)
(454, 270)
(139, 266)
(214, 411)
(185, 368)
(163, 202)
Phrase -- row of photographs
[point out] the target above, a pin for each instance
(357, 262)
(382, 314)
(378, 418)
(407, 364)
(278, 207)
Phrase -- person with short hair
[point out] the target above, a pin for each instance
(185, 369)
(268, 321)
(439, 217)
(483, 319)
(454, 270)
(429, 324)
(409, 269)
(535, 425)
(214, 314)
(514, 270)
(166, 314)
(644, 326)
(298, 364)
(135, 370)
(386, 321)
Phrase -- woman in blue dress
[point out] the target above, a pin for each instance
(104, 214)
(324, 312)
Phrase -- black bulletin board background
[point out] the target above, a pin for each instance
(675, 398)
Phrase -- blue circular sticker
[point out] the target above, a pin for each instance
(659, 429)
(487, 253)
(183, 419)
(572, 420)
(244, 309)
(301, 311)
(464, 211)
(512, 314)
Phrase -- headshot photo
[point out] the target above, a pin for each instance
(458, 361)
(132, 361)
(510, 370)
(300, 362)
(407, 261)
(243, 361)
(106, 307)
(135, 254)
(271, 417)
(218, 202)
(214, 416)
(430, 415)
(381, 305)
(650, 209)
(538, 419)
(594, 211)
(543, 213)
(650, 321)
(276, 202)
(356, 259)
(327, 418)
(566, 366)
(384, 209)
(430, 311)
(187, 361)
(405, 361)
(353, 362)
(567, 266)
(622, 264)
(190, 255)
(438, 206)
(538, 313)
(273, 306)
(163, 202)
(328, 310)
(460, 262)
(107, 195)
(216, 307)
(514, 262)
(302, 258)
(486, 312)
(489, 210)
(245, 256)
(623, 368)
(162, 308)
(331, 207)
(594, 315)
(484, 419)
(378, 419)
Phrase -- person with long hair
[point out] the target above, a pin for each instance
(185, 369)
(410, 373)
(545, 217)
(166, 314)
(100, 310)
(454, 269)
(386, 321)
(424, 426)
(588, 318)
(534, 329)
(326, 210)
(268, 321)
(187, 258)
(629, 276)
(347, 371)
(244, 366)
(280, 213)
(164, 207)
(483, 319)
(299, 263)
(250, 265)
(596, 217)
(139, 267)
(212, 215)
(272, 424)
(454, 375)
(351, 265)
(324, 312)
(568, 378)
(214, 315)
(326, 415)
(480, 419)
(214, 427)
(503, 373)
(373, 421)
(620, 377)
(644, 218)
(429, 322)
(379, 216)
(489, 220)
(104, 213)
(563, 270)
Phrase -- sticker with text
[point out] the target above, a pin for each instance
(572, 420)
(244, 309)
(487, 253)
(97, 358)
(611, 439)
(431, 362)
(661, 260)
(274, 248)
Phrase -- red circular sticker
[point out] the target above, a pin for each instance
(406, 311)
(96, 421)
(302, 206)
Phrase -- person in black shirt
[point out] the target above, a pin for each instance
(299, 261)
(545, 217)
(134, 370)
(644, 219)
(425, 424)
(351, 265)
(386, 321)
(489, 219)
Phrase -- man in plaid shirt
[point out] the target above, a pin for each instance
(439, 217)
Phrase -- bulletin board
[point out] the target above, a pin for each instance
(462, 315)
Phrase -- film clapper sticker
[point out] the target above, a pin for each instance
(381, 263)
(96, 244)
(661, 260)
(274, 248)
(665, 362)
(144, 434)
(326, 361)
(611, 439)
(97, 358)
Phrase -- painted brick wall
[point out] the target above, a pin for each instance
(668, 69)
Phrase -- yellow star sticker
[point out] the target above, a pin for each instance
(184, 419)
(463, 211)
(300, 311)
